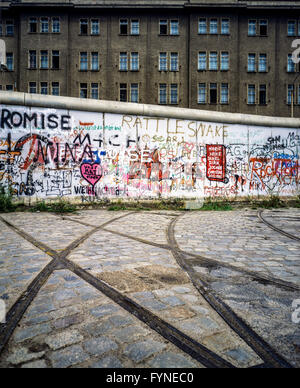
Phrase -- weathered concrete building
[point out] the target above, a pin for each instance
(231, 56)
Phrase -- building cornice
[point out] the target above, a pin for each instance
(154, 4)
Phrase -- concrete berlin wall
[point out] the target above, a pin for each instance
(65, 147)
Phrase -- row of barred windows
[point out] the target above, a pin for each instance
(212, 61)
(210, 26)
(208, 93)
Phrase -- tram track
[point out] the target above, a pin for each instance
(197, 351)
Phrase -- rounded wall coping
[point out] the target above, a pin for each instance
(103, 106)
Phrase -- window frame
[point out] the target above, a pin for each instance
(57, 19)
(81, 62)
(124, 88)
(29, 60)
(30, 84)
(228, 94)
(248, 95)
(202, 52)
(44, 19)
(81, 88)
(166, 94)
(199, 32)
(166, 61)
(138, 93)
(131, 26)
(30, 23)
(120, 26)
(41, 58)
(177, 62)
(125, 55)
(198, 94)
(11, 55)
(52, 87)
(81, 24)
(92, 21)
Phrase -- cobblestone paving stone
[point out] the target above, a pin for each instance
(20, 263)
(71, 324)
(239, 238)
(48, 228)
(95, 217)
(151, 227)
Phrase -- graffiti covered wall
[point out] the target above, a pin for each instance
(46, 153)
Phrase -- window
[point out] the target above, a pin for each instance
(123, 26)
(213, 61)
(55, 60)
(44, 60)
(9, 28)
(32, 88)
(163, 27)
(202, 27)
(44, 87)
(202, 61)
(174, 94)
(44, 25)
(55, 25)
(224, 94)
(135, 27)
(262, 66)
(213, 92)
(9, 88)
(163, 62)
(174, 66)
(213, 26)
(291, 28)
(83, 91)
(162, 93)
(251, 63)
(123, 92)
(251, 95)
(95, 27)
(290, 94)
(10, 61)
(225, 29)
(83, 27)
(202, 94)
(263, 28)
(33, 25)
(252, 28)
(262, 95)
(32, 59)
(291, 67)
(134, 93)
(95, 91)
(84, 61)
(174, 27)
(55, 89)
(224, 61)
(123, 62)
(95, 62)
(134, 62)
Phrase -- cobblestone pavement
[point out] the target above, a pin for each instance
(149, 289)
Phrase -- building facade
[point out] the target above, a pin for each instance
(231, 56)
